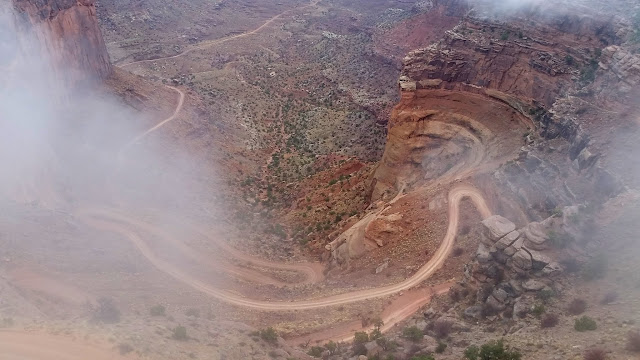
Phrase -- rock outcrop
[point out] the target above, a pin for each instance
(520, 68)
(67, 32)
(507, 271)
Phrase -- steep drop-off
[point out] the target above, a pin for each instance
(68, 32)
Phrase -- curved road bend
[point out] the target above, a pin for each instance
(455, 196)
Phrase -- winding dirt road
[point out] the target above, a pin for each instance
(173, 116)
(210, 43)
(114, 221)
(455, 196)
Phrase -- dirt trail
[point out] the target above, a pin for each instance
(401, 308)
(455, 196)
(37, 346)
(112, 220)
(210, 43)
(173, 116)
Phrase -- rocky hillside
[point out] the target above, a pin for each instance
(535, 106)
(524, 67)
(68, 31)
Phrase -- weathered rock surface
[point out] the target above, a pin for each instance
(507, 240)
(482, 254)
(522, 260)
(67, 31)
(625, 65)
(536, 236)
(497, 226)
(533, 285)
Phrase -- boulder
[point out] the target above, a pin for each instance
(533, 285)
(482, 254)
(493, 272)
(430, 313)
(511, 250)
(536, 236)
(522, 260)
(539, 260)
(500, 294)
(495, 303)
(507, 240)
(500, 257)
(484, 239)
(373, 348)
(473, 312)
(553, 268)
(497, 226)
(523, 306)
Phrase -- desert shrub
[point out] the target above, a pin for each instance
(549, 321)
(386, 344)
(560, 240)
(455, 295)
(588, 72)
(494, 350)
(359, 349)
(441, 347)
(609, 298)
(106, 312)
(331, 346)
(360, 337)
(442, 328)
(375, 334)
(125, 348)
(6, 322)
(585, 323)
(412, 333)
(569, 60)
(633, 341)
(157, 310)
(595, 268)
(472, 353)
(180, 333)
(577, 306)
(539, 309)
(316, 351)
(269, 335)
(595, 354)
(545, 295)
(458, 251)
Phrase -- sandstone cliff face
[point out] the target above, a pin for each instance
(50, 51)
(505, 67)
(68, 32)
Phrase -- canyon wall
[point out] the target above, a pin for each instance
(68, 32)
(51, 53)
(478, 68)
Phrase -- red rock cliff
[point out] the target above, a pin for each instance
(488, 72)
(68, 31)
